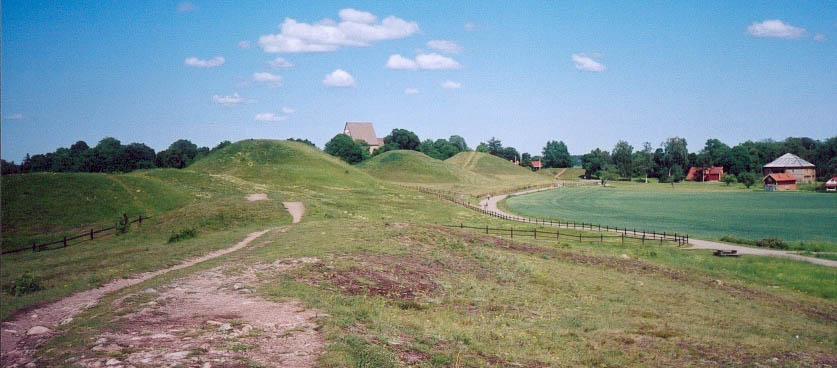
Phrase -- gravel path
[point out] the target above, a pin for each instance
(491, 206)
(21, 337)
(296, 209)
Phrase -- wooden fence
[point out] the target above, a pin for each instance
(86, 236)
(680, 239)
(578, 236)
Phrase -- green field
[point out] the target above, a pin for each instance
(710, 213)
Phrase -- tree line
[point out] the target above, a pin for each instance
(356, 151)
(671, 160)
(110, 155)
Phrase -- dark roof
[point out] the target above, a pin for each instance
(789, 160)
(363, 131)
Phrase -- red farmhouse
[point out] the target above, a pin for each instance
(779, 181)
(713, 173)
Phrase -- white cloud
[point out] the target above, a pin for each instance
(209, 63)
(448, 47)
(265, 77)
(288, 110)
(411, 91)
(280, 62)
(357, 16)
(470, 26)
(587, 64)
(339, 78)
(820, 37)
(244, 44)
(186, 6)
(356, 28)
(15, 116)
(230, 100)
(776, 29)
(397, 61)
(269, 116)
(431, 61)
(449, 84)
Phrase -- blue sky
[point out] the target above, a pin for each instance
(582, 72)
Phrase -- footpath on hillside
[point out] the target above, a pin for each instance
(21, 337)
(696, 244)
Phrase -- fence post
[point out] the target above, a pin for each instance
(511, 232)
(579, 237)
(536, 233)
(557, 235)
(623, 239)
(33, 247)
(140, 220)
(460, 226)
(91, 234)
(643, 239)
(65, 241)
(486, 229)
(601, 238)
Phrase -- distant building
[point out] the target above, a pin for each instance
(365, 132)
(804, 171)
(779, 181)
(713, 173)
(831, 184)
(536, 165)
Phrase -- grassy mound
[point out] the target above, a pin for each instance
(412, 167)
(281, 162)
(486, 164)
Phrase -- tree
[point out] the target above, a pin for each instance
(306, 141)
(716, 150)
(9, 167)
(728, 178)
(106, 155)
(555, 154)
(622, 160)
(459, 142)
(343, 147)
(595, 162)
(227, 143)
(612, 173)
(495, 146)
(136, 156)
(180, 154)
(642, 162)
(676, 152)
(404, 138)
(482, 147)
(747, 178)
(676, 174)
(526, 160)
(702, 162)
(429, 149)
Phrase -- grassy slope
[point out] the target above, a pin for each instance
(789, 216)
(494, 302)
(412, 167)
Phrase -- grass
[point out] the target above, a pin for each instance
(391, 282)
(793, 217)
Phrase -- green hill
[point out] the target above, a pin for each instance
(486, 164)
(413, 167)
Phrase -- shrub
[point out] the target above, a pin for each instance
(25, 284)
(771, 243)
(184, 234)
(728, 178)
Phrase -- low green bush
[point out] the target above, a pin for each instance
(773, 243)
(25, 284)
(183, 234)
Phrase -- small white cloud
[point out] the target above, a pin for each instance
(397, 61)
(587, 64)
(244, 44)
(288, 110)
(470, 26)
(339, 78)
(775, 28)
(431, 61)
(269, 116)
(357, 16)
(209, 63)
(15, 116)
(230, 100)
(280, 62)
(449, 84)
(186, 6)
(820, 37)
(411, 91)
(356, 28)
(265, 77)
(448, 47)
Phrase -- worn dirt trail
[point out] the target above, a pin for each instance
(296, 209)
(491, 206)
(17, 343)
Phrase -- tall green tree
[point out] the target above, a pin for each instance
(595, 162)
(404, 138)
(343, 147)
(459, 142)
(622, 158)
(495, 146)
(555, 154)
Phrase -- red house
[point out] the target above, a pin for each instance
(536, 165)
(831, 184)
(779, 181)
(713, 173)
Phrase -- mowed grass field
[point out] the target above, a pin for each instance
(710, 213)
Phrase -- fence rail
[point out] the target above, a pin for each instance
(680, 239)
(63, 241)
(558, 235)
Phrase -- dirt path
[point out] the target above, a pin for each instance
(21, 337)
(296, 209)
(558, 175)
(491, 206)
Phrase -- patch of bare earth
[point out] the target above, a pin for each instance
(210, 319)
(397, 278)
(257, 197)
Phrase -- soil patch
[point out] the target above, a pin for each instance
(257, 197)
(397, 278)
(296, 209)
(209, 319)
